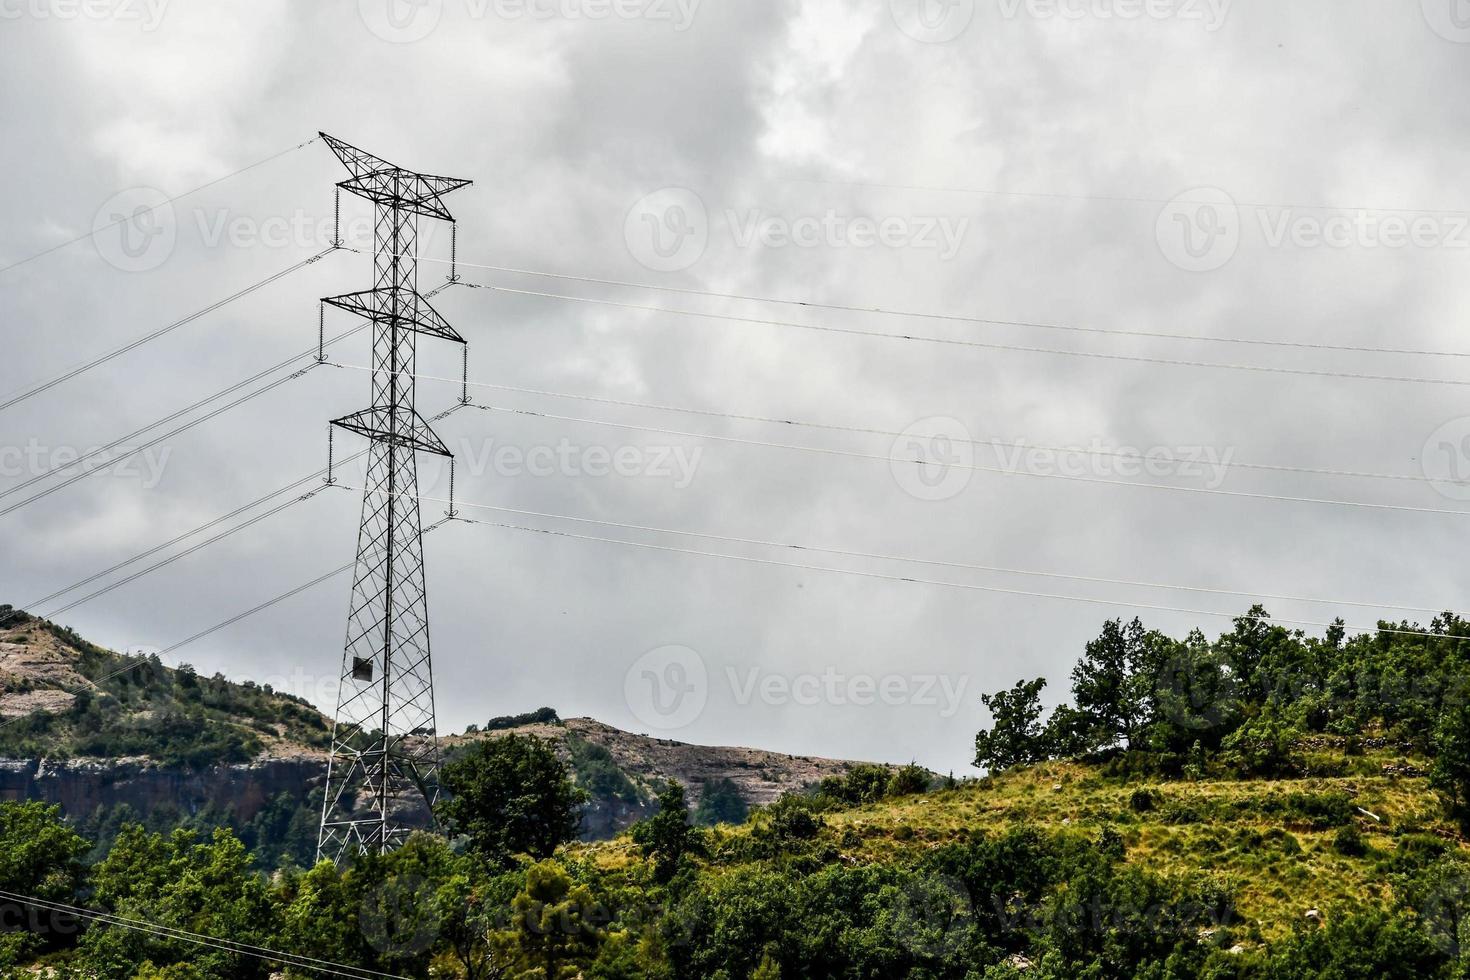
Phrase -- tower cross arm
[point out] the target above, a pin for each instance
(385, 183)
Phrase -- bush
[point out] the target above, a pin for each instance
(792, 817)
(720, 801)
(1349, 842)
(1145, 800)
(541, 716)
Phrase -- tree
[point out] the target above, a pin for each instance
(555, 926)
(40, 856)
(180, 882)
(1451, 771)
(511, 795)
(721, 802)
(909, 780)
(1264, 746)
(1016, 737)
(667, 836)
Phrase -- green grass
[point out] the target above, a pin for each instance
(1272, 841)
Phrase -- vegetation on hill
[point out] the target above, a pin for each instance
(1300, 821)
(135, 706)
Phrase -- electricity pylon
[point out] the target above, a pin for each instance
(385, 753)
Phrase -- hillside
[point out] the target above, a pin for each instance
(1281, 847)
(101, 732)
(1236, 867)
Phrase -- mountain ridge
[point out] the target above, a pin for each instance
(93, 729)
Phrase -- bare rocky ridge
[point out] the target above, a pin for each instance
(36, 676)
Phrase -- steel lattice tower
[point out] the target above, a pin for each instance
(385, 755)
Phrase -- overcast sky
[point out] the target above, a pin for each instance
(1177, 166)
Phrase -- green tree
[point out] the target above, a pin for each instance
(1016, 736)
(667, 836)
(210, 888)
(555, 929)
(1110, 686)
(1264, 746)
(511, 795)
(40, 857)
(909, 780)
(720, 801)
(1450, 774)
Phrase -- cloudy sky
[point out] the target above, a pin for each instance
(1244, 170)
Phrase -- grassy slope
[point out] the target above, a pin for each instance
(1279, 860)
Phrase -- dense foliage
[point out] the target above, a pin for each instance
(877, 873)
(1012, 904)
(1247, 703)
(511, 795)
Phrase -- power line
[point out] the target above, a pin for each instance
(298, 960)
(182, 537)
(954, 585)
(953, 317)
(204, 527)
(342, 569)
(1106, 198)
(311, 352)
(894, 578)
(199, 530)
(183, 554)
(978, 344)
(73, 372)
(171, 200)
(867, 430)
(248, 396)
(1002, 471)
(966, 566)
